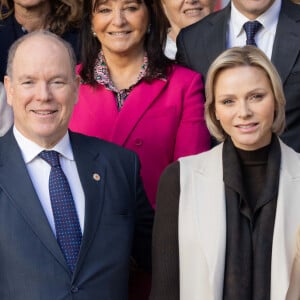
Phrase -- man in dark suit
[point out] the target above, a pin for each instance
(278, 36)
(64, 239)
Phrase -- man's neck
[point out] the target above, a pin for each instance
(252, 10)
(32, 18)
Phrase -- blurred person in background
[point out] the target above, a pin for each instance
(181, 13)
(18, 17)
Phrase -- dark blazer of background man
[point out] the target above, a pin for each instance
(199, 44)
(117, 215)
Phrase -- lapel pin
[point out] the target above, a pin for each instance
(96, 177)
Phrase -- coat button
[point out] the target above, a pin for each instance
(74, 289)
(138, 142)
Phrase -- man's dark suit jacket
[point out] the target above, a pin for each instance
(118, 224)
(199, 44)
(11, 30)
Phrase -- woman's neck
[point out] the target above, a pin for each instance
(124, 69)
(173, 32)
(260, 154)
(32, 18)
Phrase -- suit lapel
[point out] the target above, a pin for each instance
(24, 197)
(217, 34)
(212, 229)
(202, 225)
(137, 103)
(286, 44)
(92, 172)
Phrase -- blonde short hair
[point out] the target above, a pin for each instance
(235, 57)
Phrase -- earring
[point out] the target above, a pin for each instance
(94, 34)
(149, 28)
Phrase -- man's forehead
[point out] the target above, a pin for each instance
(39, 57)
(33, 43)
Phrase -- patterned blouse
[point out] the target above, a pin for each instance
(102, 76)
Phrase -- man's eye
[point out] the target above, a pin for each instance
(27, 82)
(58, 82)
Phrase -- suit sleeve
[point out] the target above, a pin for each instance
(192, 134)
(165, 252)
(143, 225)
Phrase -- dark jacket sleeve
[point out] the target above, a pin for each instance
(165, 253)
(144, 215)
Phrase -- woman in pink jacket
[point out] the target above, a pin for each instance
(131, 94)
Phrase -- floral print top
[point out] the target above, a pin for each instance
(102, 76)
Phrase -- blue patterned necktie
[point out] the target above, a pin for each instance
(251, 28)
(68, 232)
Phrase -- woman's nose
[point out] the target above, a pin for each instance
(119, 17)
(244, 110)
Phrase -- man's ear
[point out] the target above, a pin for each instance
(8, 89)
(77, 83)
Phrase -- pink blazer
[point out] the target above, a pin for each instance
(160, 121)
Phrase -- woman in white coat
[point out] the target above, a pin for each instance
(226, 219)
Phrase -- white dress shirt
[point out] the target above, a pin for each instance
(6, 114)
(265, 36)
(170, 48)
(39, 171)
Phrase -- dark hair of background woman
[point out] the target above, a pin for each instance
(158, 64)
(65, 14)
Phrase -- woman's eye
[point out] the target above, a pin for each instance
(256, 97)
(131, 8)
(103, 10)
(227, 101)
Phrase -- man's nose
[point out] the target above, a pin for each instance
(43, 91)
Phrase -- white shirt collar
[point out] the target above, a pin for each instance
(31, 150)
(268, 19)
